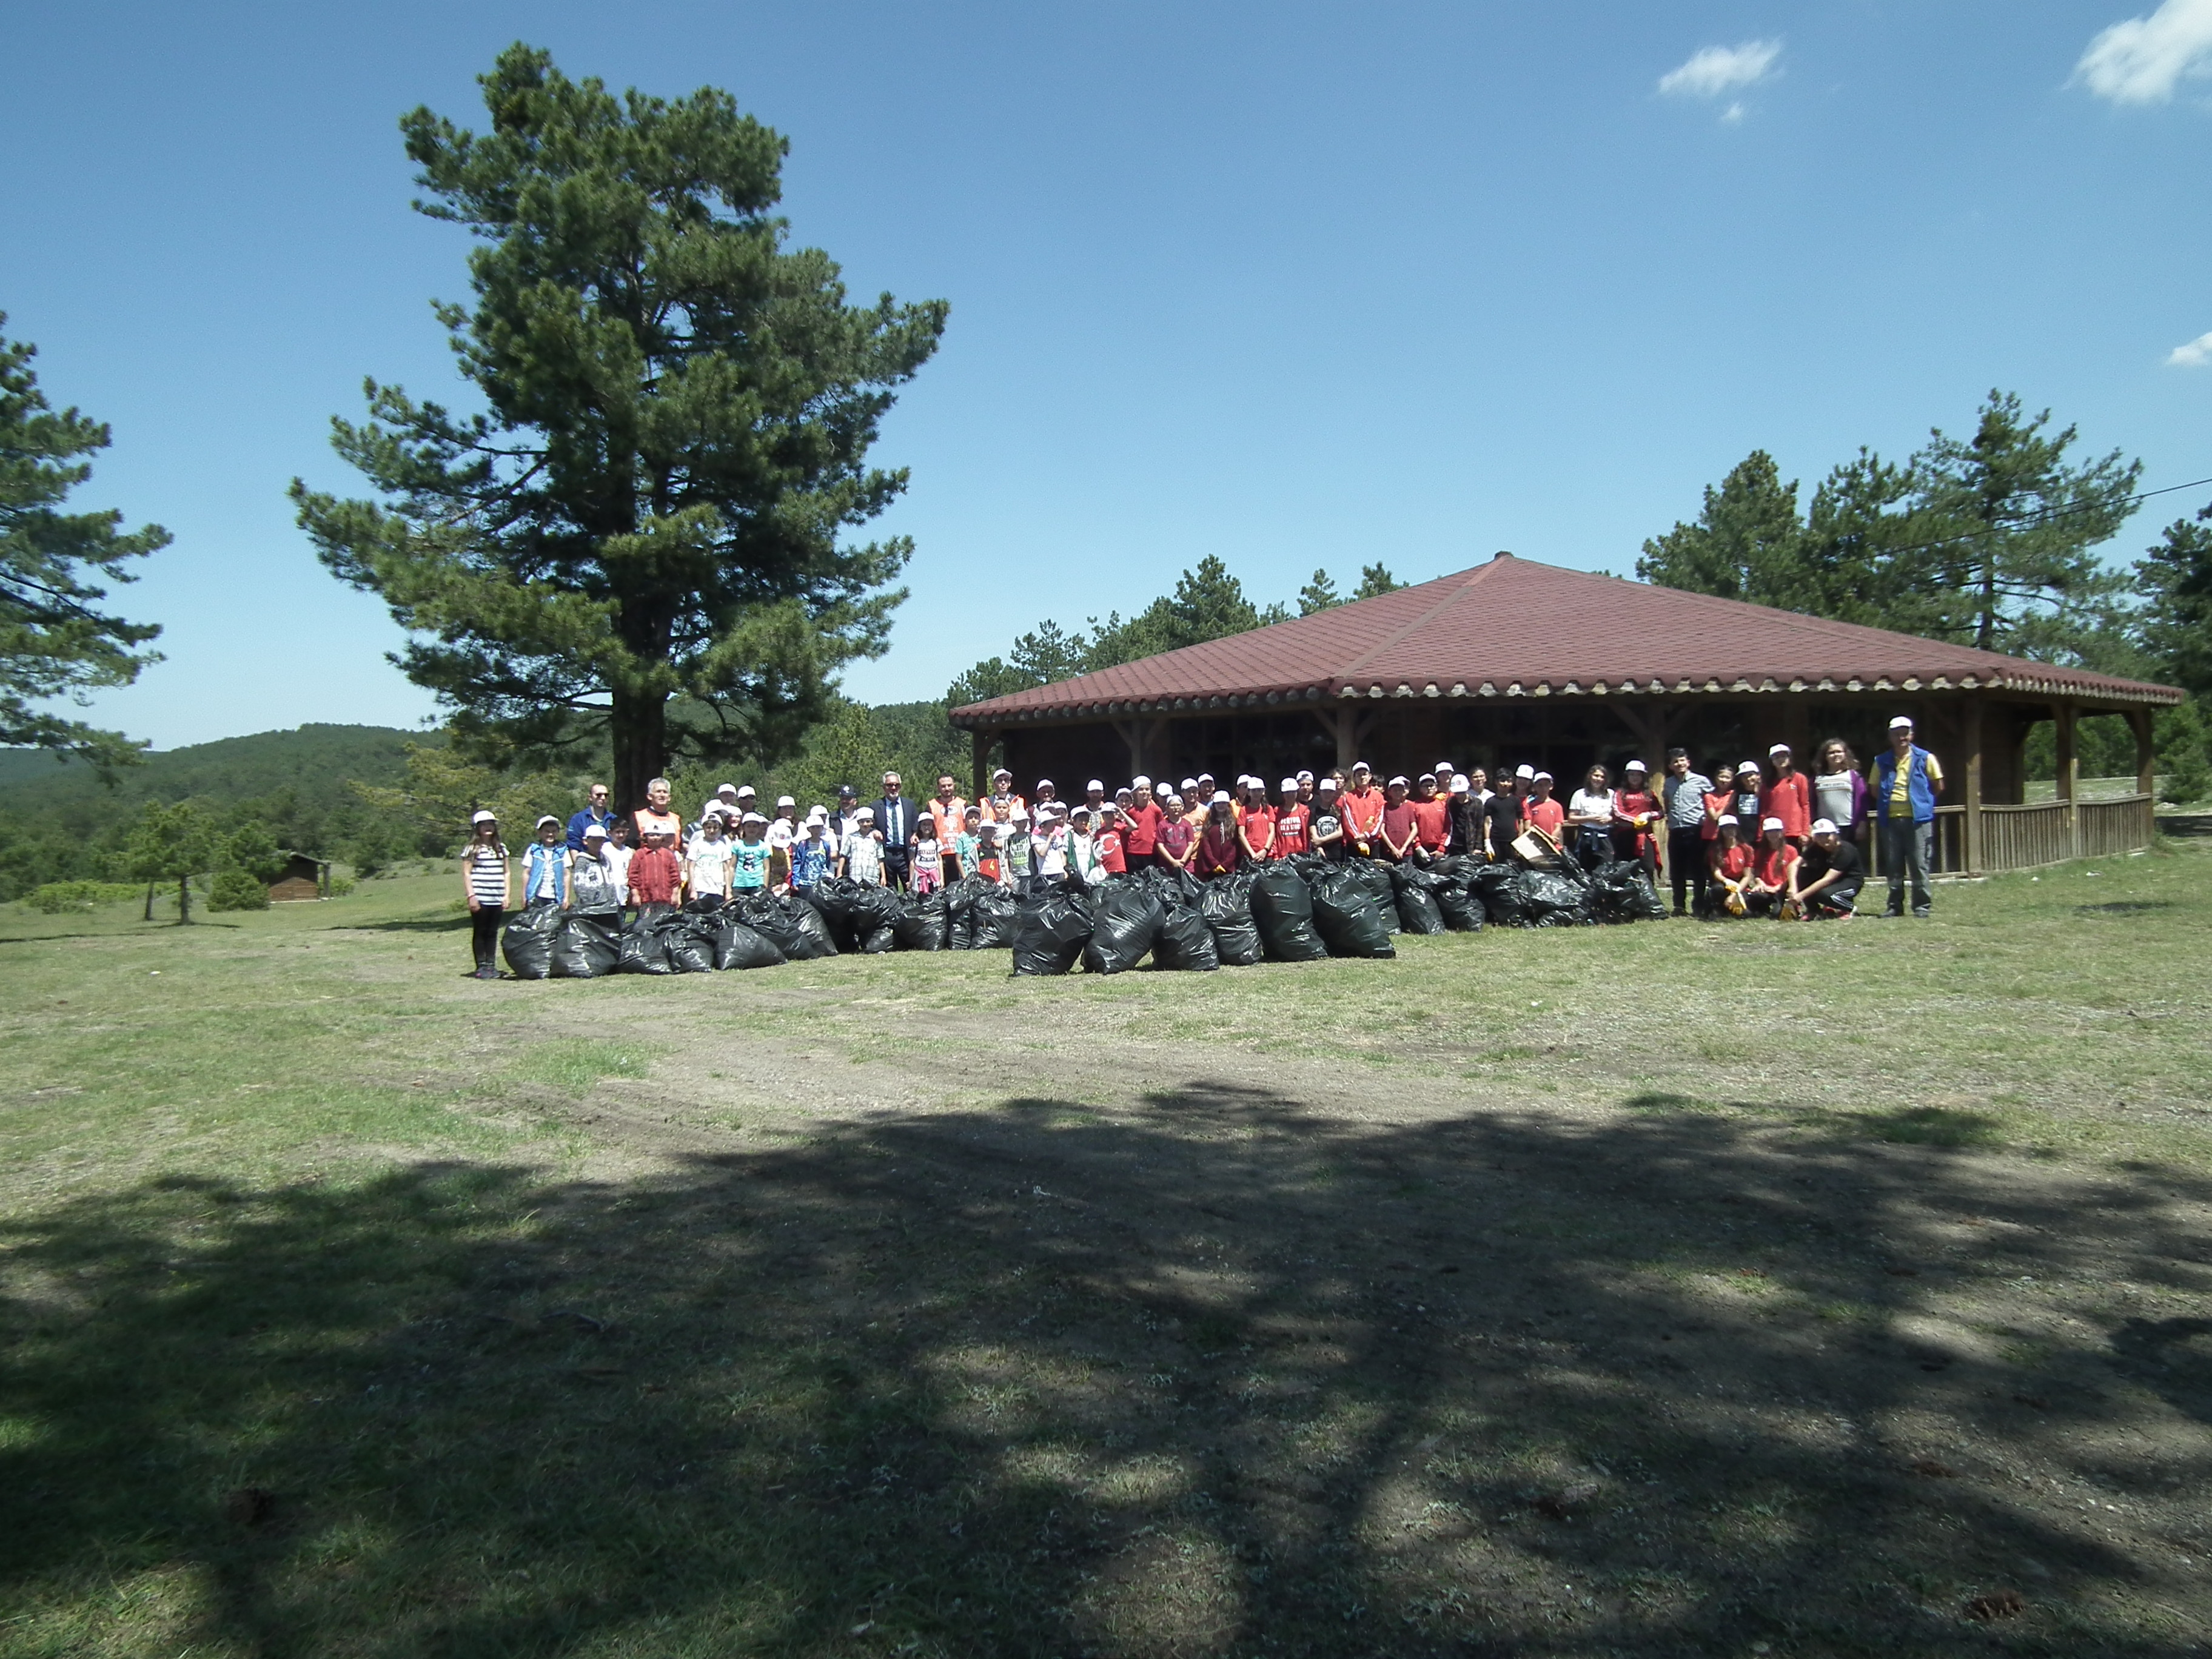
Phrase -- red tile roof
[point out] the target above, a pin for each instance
(1513, 627)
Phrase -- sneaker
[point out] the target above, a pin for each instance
(1920, 916)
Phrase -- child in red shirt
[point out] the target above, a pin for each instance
(1290, 820)
(1112, 859)
(1432, 815)
(1539, 810)
(654, 871)
(1770, 870)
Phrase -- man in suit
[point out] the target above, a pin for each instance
(895, 816)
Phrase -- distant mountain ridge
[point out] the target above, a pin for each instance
(317, 760)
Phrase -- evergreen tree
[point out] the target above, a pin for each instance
(2016, 571)
(679, 412)
(55, 641)
(1746, 544)
(2174, 577)
(173, 843)
(1319, 594)
(1374, 582)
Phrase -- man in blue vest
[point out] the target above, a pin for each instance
(1905, 785)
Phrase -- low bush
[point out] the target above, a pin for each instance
(237, 889)
(57, 896)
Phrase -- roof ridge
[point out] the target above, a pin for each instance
(1465, 581)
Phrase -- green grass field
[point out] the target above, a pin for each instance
(1676, 1288)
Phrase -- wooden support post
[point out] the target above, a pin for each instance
(1970, 734)
(2069, 774)
(1350, 728)
(2139, 722)
(982, 739)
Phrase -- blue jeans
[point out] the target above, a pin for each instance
(1906, 850)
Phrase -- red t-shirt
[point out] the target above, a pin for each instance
(1547, 814)
(1634, 803)
(1362, 813)
(1789, 798)
(1731, 861)
(1143, 829)
(1108, 846)
(1772, 864)
(1401, 826)
(1434, 817)
(1714, 806)
(1259, 826)
(1218, 855)
(1174, 840)
(1290, 823)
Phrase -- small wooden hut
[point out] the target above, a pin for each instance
(303, 879)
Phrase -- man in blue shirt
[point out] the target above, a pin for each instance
(596, 813)
(1905, 786)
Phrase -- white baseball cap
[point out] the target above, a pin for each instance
(1141, 781)
(1903, 722)
(865, 814)
(1003, 773)
(1094, 784)
(1460, 786)
(785, 800)
(482, 817)
(548, 819)
(1361, 766)
(1020, 814)
(595, 830)
(1636, 766)
(1747, 766)
(1824, 827)
(752, 817)
(744, 789)
(1541, 777)
(1290, 786)
(1729, 819)
(726, 788)
(1304, 777)
(1778, 749)
(1221, 798)
(1044, 783)
(1398, 782)
(1766, 824)
(1524, 772)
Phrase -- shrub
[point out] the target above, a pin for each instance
(237, 889)
(57, 896)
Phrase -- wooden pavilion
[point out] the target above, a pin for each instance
(1514, 661)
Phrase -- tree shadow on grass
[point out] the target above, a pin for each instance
(457, 923)
(1222, 1377)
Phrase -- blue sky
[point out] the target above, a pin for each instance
(1300, 285)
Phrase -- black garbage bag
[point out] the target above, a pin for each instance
(1374, 876)
(878, 941)
(1185, 942)
(982, 915)
(1459, 867)
(1498, 888)
(1125, 919)
(1620, 891)
(854, 909)
(1347, 917)
(588, 946)
(924, 922)
(1554, 899)
(1282, 910)
(527, 942)
(1226, 904)
(1049, 933)
(737, 945)
(1462, 910)
(960, 901)
(1415, 890)
(688, 942)
(792, 925)
(1171, 886)
(645, 941)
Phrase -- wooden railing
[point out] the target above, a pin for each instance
(2028, 837)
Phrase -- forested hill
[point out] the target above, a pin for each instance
(310, 760)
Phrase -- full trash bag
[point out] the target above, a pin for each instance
(877, 941)
(588, 946)
(792, 925)
(737, 945)
(1282, 910)
(1498, 887)
(1185, 942)
(645, 942)
(1126, 918)
(1374, 876)
(689, 941)
(1049, 933)
(854, 909)
(1226, 904)
(1620, 891)
(1415, 890)
(1462, 911)
(1554, 899)
(1347, 916)
(924, 922)
(527, 942)
(982, 915)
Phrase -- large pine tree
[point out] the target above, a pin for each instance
(637, 543)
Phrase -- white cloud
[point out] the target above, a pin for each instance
(2196, 354)
(2140, 61)
(1717, 69)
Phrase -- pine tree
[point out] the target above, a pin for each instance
(1374, 582)
(679, 410)
(1319, 594)
(1746, 544)
(55, 641)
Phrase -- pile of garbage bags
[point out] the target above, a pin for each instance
(1300, 909)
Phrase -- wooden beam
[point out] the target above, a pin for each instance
(981, 741)
(1970, 734)
(2139, 722)
(2068, 782)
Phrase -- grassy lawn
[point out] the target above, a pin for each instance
(1679, 1288)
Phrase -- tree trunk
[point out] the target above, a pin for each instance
(184, 900)
(638, 728)
(149, 901)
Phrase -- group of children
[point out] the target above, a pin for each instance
(1745, 841)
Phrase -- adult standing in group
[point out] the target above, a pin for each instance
(950, 814)
(1840, 791)
(1682, 793)
(1904, 785)
(656, 817)
(895, 819)
(1789, 796)
(486, 884)
(595, 811)
(1001, 803)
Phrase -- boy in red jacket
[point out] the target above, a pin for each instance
(655, 874)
